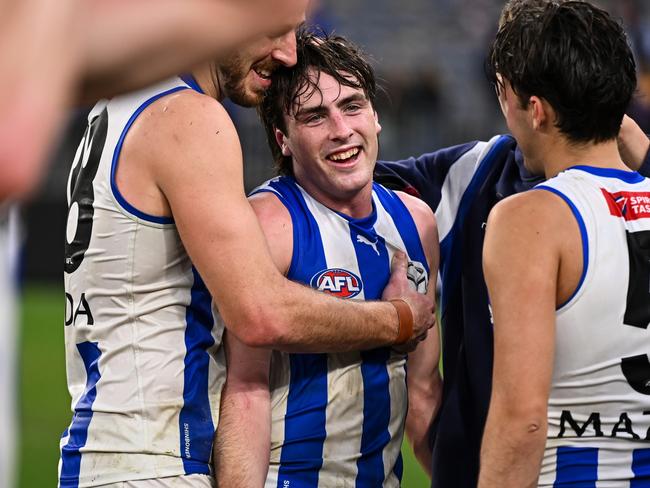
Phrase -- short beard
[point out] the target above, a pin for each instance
(233, 84)
(242, 97)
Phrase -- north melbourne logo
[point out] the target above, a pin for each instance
(338, 282)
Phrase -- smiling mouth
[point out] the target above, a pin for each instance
(265, 74)
(345, 156)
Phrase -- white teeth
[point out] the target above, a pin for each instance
(263, 73)
(345, 155)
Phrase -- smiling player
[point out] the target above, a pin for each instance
(158, 228)
(330, 419)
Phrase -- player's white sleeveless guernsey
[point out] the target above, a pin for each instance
(9, 259)
(338, 419)
(599, 405)
(143, 355)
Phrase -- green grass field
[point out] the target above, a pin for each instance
(44, 401)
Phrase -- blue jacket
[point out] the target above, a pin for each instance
(462, 184)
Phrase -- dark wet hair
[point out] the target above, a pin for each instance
(512, 7)
(330, 54)
(573, 55)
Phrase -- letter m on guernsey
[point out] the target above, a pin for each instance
(567, 418)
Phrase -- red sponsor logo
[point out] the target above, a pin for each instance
(631, 205)
(338, 282)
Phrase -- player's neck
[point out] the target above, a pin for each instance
(563, 155)
(356, 206)
(355, 209)
(206, 78)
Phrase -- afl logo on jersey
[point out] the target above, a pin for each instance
(338, 282)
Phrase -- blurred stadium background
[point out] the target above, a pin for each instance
(429, 56)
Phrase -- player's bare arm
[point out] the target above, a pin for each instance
(243, 438)
(189, 147)
(38, 53)
(633, 143)
(424, 380)
(242, 443)
(56, 53)
(129, 44)
(424, 394)
(524, 256)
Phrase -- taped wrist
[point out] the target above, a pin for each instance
(405, 318)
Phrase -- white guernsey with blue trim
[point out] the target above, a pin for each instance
(9, 263)
(338, 419)
(599, 405)
(143, 347)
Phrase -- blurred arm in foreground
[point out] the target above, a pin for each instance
(55, 54)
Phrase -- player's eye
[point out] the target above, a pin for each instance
(313, 118)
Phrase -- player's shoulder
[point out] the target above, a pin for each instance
(182, 119)
(275, 221)
(531, 203)
(534, 212)
(187, 111)
(269, 209)
(184, 131)
(425, 222)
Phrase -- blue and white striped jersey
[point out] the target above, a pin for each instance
(144, 362)
(338, 419)
(599, 403)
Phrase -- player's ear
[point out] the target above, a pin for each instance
(500, 89)
(281, 139)
(377, 124)
(540, 112)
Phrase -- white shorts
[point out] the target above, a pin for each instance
(187, 481)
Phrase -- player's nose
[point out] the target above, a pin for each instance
(285, 49)
(339, 127)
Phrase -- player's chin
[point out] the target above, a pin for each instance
(248, 97)
(354, 183)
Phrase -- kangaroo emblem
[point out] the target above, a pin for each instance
(363, 240)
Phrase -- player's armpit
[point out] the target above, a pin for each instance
(243, 438)
(521, 261)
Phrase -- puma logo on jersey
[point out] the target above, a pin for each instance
(338, 282)
(364, 240)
